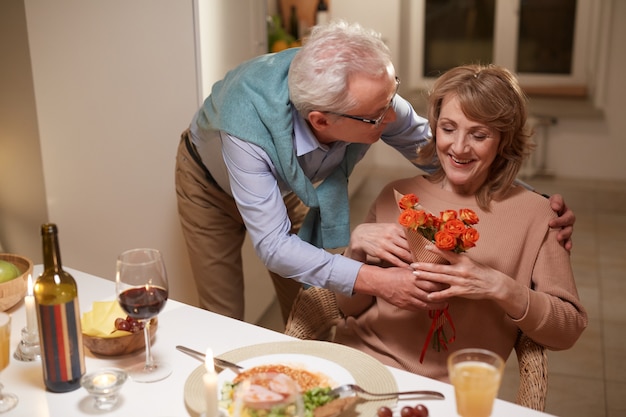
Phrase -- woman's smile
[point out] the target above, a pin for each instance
(465, 148)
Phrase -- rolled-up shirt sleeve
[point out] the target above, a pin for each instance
(256, 187)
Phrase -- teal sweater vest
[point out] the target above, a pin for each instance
(252, 103)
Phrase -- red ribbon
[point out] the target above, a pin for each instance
(439, 319)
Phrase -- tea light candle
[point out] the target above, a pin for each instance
(31, 313)
(210, 386)
(104, 381)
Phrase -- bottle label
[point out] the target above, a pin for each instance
(61, 342)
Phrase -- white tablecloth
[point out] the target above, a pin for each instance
(179, 324)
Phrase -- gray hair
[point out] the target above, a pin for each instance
(319, 73)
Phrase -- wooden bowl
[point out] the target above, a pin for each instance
(116, 346)
(11, 292)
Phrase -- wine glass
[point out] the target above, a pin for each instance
(7, 401)
(142, 290)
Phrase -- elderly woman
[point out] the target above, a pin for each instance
(518, 277)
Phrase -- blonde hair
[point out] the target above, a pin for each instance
(490, 95)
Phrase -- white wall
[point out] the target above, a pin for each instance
(382, 16)
(587, 148)
(22, 193)
(115, 83)
(229, 33)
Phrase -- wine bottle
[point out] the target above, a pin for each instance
(58, 314)
(321, 14)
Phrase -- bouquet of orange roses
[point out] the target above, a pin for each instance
(452, 231)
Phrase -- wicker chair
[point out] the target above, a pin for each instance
(315, 312)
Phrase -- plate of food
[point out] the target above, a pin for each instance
(314, 376)
(317, 366)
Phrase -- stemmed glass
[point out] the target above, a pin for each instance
(142, 290)
(7, 401)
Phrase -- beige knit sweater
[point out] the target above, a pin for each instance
(514, 239)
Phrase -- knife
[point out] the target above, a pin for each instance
(217, 361)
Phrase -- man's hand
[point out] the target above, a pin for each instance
(398, 286)
(565, 221)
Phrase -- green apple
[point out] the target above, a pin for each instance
(8, 271)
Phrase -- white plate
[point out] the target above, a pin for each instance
(361, 368)
(336, 374)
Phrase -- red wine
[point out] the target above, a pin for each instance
(142, 303)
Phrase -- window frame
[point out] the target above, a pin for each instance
(586, 61)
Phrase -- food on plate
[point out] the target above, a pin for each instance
(268, 397)
(307, 380)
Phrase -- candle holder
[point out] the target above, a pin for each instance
(28, 350)
(103, 385)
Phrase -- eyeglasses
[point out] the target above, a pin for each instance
(376, 121)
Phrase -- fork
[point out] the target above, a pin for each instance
(341, 391)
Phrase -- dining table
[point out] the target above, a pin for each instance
(187, 325)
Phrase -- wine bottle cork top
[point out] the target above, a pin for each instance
(48, 228)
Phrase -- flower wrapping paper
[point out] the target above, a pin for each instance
(417, 244)
(440, 319)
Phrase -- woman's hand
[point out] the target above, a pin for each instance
(469, 279)
(385, 241)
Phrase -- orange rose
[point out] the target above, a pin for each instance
(408, 201)
(412, 218)
(445, 240)
(469, 238)
(468, 216)
(447, 215)
(454, 226)
(452, 230)
(433, 221)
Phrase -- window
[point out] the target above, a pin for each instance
(546, 42)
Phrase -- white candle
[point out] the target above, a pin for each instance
(210, 386)
(31, 313)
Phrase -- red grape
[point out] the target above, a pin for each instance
(129, 324)
(384, 412)
(121, 324)
(407, 412)
(420, 410)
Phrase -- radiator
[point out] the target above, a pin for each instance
(535, 164)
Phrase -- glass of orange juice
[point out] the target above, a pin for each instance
(476, 375)
(5, 339)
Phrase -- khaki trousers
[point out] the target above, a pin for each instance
(214, 233)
